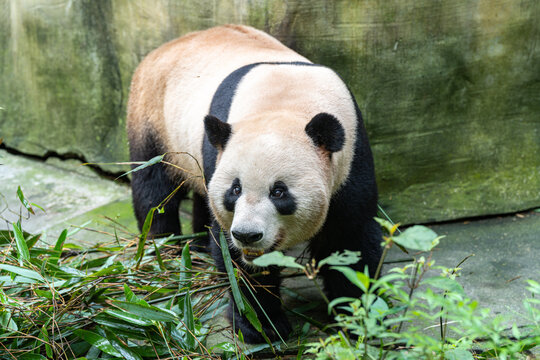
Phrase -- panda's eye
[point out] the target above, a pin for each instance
(278, 191)
(236, 190)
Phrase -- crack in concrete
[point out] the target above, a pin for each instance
(109, 175)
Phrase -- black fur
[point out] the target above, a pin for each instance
(229, 199)
(286, 204)
(217, 131)
(326, 132)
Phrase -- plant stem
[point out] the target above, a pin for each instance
(381, 261)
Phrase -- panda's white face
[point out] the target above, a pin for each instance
(269, 191)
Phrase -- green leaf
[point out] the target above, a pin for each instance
(22, 248)
(356, 277)
(7, 321)
(147, 311)
(458, 354)
(128, 317)
(379, 308)
(189, 322)
(251, 315)
(32, 240)
(225, 346)
(152, 161)
(43, 335)
(144, 234)
(25, 202)
(58, 247)
(277, 258)
(98, 341)
(345, 258)
(30, 356)
(158, 257)
(125, 352)
(444, 283)
(387, 225)
(131, 297)
(185, 275)
(237, 296)
(44, 293)
(31, 274)
(418, 237)
(337, 301)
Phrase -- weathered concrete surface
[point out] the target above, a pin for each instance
(450, 90)
(506, 253)
(69, 194)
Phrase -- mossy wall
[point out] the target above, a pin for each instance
(450, 90)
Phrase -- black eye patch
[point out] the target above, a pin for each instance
(282, 199)
(232, 194)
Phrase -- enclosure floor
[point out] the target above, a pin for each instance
(506, 249)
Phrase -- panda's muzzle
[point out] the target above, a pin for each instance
(247, 238)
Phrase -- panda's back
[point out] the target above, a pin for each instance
(173, 88)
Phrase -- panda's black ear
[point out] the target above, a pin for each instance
(218, 132)
(326, 132)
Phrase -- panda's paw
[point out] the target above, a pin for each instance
(252, 336)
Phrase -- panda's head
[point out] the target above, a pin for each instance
(273, 179)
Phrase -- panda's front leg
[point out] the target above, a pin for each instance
(266, 299)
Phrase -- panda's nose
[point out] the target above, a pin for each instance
(247, 238)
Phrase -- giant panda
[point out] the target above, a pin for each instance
(273, 148)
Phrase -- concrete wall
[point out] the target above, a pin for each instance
(450, 90)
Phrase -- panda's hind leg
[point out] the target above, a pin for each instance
(151, 186)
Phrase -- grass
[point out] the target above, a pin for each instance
(136, 298)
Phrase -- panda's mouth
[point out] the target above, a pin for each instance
(251, 254)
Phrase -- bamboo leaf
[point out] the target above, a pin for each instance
(158, 257)
(24, 201)
(147, 311)
(132, 298)
(125, 352)
(185, 275)
(22, 249)
(189, 321)
(43, 335)
(27, 273)
(237, 296)
(152, 161)
(128, 317)
(98, 341)
(58, 247)
(30, 356)
(144, 234)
